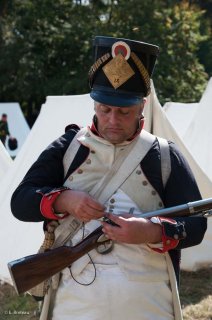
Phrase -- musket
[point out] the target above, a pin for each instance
(29, 271)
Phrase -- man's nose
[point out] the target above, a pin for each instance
(114, 117)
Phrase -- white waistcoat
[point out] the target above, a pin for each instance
(139, 272)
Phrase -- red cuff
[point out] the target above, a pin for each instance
(46, 205)
(167, 242)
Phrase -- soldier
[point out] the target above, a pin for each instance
(4, 131)
(113, 168)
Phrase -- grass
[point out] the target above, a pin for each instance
(16, 307)
(195, 294)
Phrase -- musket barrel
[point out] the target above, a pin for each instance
(188, 209)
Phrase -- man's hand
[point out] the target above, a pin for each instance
(132, 230)
(79, 204)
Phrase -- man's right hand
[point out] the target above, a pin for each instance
(80, 204)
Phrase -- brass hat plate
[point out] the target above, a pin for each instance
(118, 71)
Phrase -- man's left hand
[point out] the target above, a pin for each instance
(132, 230)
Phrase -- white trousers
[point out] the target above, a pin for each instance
(112, 296)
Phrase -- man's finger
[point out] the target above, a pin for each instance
(115, 218)
(95, 205)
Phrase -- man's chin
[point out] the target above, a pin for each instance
(115, 140)
(113, 137)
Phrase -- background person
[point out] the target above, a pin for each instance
(4, 130)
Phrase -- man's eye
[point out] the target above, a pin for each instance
(125, 112)
(105, 109)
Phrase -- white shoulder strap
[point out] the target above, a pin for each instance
(165, 160)
(123, 167)
(74, 147)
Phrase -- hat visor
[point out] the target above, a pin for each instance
(116, 99)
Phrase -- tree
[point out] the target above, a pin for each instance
(46, 52)
(205, 49)
(46, 46)
(177, 30)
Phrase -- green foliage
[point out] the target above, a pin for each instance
(176, 29)
(181, 76)
(16, 307)
(46, 46)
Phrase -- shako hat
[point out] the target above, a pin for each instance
(120, 75)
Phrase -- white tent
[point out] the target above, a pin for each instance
(18, 239)
(198, 136)
(192, 123)
(158, 124)
(180, 115)
(5, 160)
(22, 238)
(17, 124)
(193, 258)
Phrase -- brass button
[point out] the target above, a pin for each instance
(71, 178)
(144, 183)
(88, 161)
(168, 241)
(176, 237)
(112, 200)
(79, 171)
(138, 171)
(153, 192)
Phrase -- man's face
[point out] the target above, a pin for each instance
(4, 118)
(117, 124)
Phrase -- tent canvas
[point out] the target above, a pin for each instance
(158, 124)
(17, 124)
(23, 238)
(5, 160)
(196, 257)
(198, 136)
(180, 115)
(192, 123)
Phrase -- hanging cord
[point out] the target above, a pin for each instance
(85, 284)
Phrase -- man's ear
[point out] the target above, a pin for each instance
(144, 101)
(142, 106)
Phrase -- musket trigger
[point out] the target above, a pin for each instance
(105, 245)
